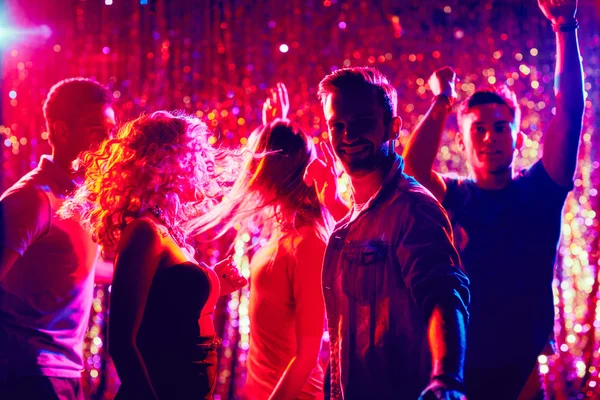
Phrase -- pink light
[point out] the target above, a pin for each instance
(342, 25)
(106, 50)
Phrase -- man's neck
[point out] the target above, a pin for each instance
(65, 165)
(493, 181)
(367, 185)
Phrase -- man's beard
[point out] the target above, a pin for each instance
(370, 163)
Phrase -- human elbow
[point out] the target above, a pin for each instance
(120, 343)
(571, 107)
(307, 360)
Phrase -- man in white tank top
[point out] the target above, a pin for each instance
(47, 264)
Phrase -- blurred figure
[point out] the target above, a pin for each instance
(157, 173)
(47, 265)
(286, 306)
(507, 224)
(395, 295)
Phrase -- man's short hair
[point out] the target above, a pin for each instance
(359, 78)
(67, 97)
(491, 95)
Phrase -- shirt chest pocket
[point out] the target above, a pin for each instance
(363, 270)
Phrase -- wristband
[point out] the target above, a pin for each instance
(570, 26)
(448, 101)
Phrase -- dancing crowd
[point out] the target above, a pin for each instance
(419, 280)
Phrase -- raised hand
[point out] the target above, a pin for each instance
(323, 174)
(277, 104)
(559, 11)
(443, 82)
(229, 276)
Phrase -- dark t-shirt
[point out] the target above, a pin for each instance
(508, 239)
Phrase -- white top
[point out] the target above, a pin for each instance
(46, 296)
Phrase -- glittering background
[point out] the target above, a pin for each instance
(216, 58)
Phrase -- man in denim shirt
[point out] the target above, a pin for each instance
(395, 296)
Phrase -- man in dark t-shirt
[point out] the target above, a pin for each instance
(506, 224)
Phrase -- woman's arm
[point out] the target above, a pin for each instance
(137, 260)
(310, 317)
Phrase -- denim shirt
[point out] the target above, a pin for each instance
(385, 269)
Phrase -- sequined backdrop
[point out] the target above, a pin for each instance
(215, 58)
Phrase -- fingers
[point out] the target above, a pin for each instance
(266, 110)
(223, 265)
(328, 153)
(267, 105)
(230, 274)
(240, 282)
(234, 278)
(284, 100)
(283, 95)
(313, 170)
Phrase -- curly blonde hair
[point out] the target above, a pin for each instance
(159, 160)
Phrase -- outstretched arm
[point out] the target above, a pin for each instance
(421, 150)
(561, 142)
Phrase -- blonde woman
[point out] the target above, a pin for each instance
(286, 306)
(140, 187)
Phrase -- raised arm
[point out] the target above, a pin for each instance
(136, 264)
(561, 142)
(422, 148)
(322, 173)
(310, 318)
(277, 104)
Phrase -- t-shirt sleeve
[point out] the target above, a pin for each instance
(25, 217)
(542, 186)
(430, 265)
(456, 193)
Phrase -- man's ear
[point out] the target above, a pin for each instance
(59, 134)
(460, 141)
(395, 126)
(520, 140)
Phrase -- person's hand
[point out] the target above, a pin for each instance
(440, 391)
(443, 82)
(277, 104)
(559, 11)
(323, 174)
(229, 276)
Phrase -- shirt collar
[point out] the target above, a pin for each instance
(60, 177)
